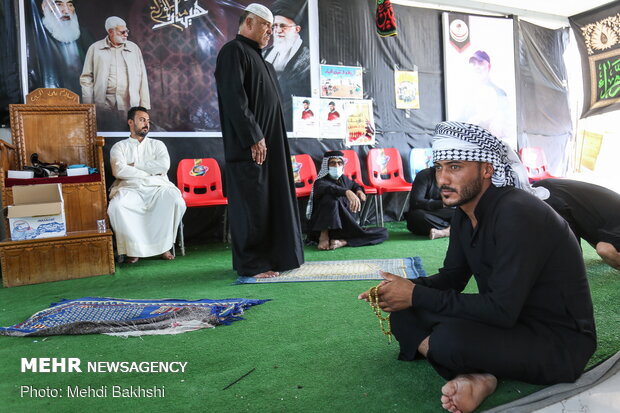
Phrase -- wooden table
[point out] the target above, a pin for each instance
(79, 254)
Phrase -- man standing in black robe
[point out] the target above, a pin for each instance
(264, 216)
(334, 200)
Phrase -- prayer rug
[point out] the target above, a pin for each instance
(345, 271)
(93, 315)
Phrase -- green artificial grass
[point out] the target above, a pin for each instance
(314, 348)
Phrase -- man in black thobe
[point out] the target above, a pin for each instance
(334, 200)
(427, 214)
(592, 211)
(532, 318)
(264, 217)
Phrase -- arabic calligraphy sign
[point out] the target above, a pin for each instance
(178, 13)
(605, 78)
(598, 39)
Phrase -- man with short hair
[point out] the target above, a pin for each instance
(333, 113)
(145, 207)
(333, 201)
(532, 318)
(264, 216)
(114, 75)
(487, 104)
(57, 46)
(289, 55)
(306, 113)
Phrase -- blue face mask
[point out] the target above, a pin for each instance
(336, 171)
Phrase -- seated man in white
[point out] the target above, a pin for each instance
(145, 207)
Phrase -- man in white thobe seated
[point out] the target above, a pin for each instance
(145, 207)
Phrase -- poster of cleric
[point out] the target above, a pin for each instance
(160, 54)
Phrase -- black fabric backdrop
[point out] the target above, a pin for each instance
(10, 91)
(544, 115)
(347, 36)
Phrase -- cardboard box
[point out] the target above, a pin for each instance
(21, 174)
(38, 212)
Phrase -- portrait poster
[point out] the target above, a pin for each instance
(360, 124)
(406, 89)
(598, 38)
(333, 120)
(305, 117)
(341, 82)
(480, 78)
(175, 43)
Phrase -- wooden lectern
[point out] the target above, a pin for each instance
(58, 128)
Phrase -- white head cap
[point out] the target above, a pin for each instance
(260, 11)
(114, 21)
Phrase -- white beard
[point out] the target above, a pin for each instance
(282, 51)
(63, 31)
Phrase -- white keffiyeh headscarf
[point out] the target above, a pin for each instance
(458, 141)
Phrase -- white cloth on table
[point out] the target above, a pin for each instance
(145, 207)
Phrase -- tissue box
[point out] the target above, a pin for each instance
(77, 171)
(38, 212)
(20, 174)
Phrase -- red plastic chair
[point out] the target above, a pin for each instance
(304, 174)
(353, 170)
(535, 163)
(385, 172)
(200, 183)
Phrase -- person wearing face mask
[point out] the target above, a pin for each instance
(334, 200)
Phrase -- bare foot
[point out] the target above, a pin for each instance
(337, 243)
(167, 256)
(439, 233)
(131, 260)
(324, 240)
(324, 244)
(267, 274)
(465, 392)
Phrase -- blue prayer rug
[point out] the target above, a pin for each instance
(345, 271)
(93, 315)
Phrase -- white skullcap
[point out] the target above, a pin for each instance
(260, 11)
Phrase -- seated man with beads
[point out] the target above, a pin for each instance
(334, 200)
(532, 317)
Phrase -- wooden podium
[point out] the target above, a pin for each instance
(58, 128)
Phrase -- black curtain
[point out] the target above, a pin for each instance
(10, 91)
(543, 111)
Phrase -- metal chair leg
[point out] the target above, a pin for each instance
(380, 214)
(225, 229)
(181, 239)
(402, 211)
